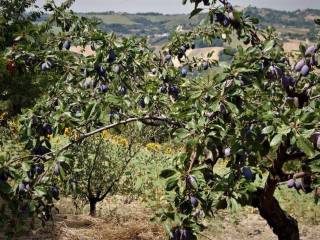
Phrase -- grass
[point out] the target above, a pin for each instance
(115, 19)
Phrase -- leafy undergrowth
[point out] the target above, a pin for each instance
(121, 218)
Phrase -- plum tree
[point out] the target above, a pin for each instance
(254, 110)
(101, 164)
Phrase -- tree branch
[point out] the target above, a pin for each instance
(123, 122)
(294, 156)
(92, 168)
(127, 161)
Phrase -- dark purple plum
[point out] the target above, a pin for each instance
(205, 65)
(274, 72)
(299, 65)
(46, 66)
(117, 69)
(141, 102)
(39, 168)
(47, 129)
(122, 90)
(67, 44)
(54, 192)
(163, 89)
(226, 22)
(176, 234)
(40, 150)
(315, 139)
(102, 70)
(21, 187)
(227, 152)
(184, 72)
(298, 185)
(154, 71)
(194, 201)
(228, 6)
(168, 58)
(223, 109)
(182, 49)
(311, 50)
(305, 70)
(288, 81)
(247, 173)
(4, 175)
(186, 234)
(219, 17)
(112, 56)
(31, 173)
(291, 183)
(103, 88)
(191, 181)
(207, 98)
(206, 2)
(174, 91)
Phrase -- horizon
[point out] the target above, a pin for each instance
(176, 7)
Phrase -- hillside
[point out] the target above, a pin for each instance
(291, 25)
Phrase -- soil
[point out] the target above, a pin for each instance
(129, 220)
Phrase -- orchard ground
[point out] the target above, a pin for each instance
(122, 217)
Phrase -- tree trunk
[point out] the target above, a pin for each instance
(282, 224)
(93, 204)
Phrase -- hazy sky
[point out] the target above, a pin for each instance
(175, 6)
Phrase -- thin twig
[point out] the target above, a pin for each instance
(84, 136)
(315, 97)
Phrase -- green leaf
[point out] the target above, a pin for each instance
(167, 173)
(5, 187)
(269, 45)
(181, 133)
(195, 12)
(40, 191)
(276, 140)
(284, 129)
(233, 108)
(267, 130)
(171, 183)
(305, 145)
(89, 111)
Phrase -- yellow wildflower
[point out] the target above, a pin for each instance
(120, 140)
(153, 147)
(67, 131)
(3, 115)
(106, 134)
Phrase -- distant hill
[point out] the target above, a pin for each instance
(292, 25)
(297, 25)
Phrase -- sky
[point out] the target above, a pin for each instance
(175, 6)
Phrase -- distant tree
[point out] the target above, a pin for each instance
(98, 166)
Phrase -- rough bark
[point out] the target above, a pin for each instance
(282, 224)
(93, 209)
